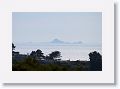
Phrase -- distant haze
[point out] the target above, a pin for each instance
(83, 27)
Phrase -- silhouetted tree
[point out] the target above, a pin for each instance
(33, 54)
(95, 61)
(37, 54)
(13, 47)
(54, 55)
(47, 57)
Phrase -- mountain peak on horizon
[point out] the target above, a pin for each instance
(57, 41)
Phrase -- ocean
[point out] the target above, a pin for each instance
(68, 52)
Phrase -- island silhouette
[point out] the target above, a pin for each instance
(58, 41)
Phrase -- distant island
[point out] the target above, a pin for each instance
(57, 41)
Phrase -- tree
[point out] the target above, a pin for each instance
(95, 61)
(33, 54)
(54, 55)
(37, 54)
(13, 47)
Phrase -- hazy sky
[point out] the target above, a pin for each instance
(66, 26)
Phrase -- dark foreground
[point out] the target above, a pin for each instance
(37, 61)
(30, 64)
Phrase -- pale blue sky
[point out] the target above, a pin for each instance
(66, 26)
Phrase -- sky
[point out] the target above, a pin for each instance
(66, 26)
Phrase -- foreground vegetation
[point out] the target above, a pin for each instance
(36, 61)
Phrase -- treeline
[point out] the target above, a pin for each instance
(37, 61)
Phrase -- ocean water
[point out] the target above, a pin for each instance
(68, 52)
